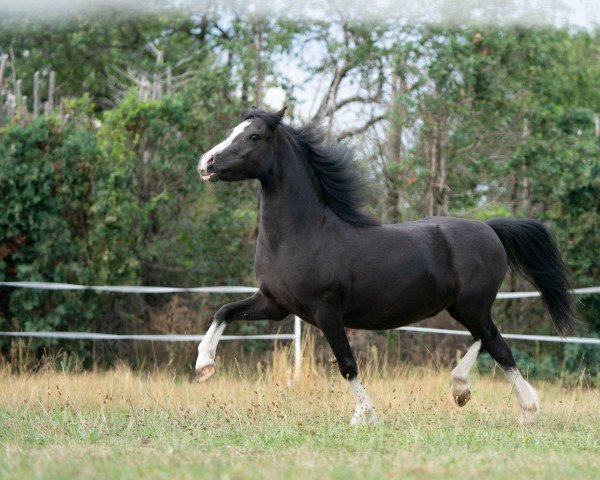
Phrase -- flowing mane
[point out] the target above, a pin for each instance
(342, 186)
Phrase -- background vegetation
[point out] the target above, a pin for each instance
(102, 189)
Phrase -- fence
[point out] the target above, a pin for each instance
(150, 86)
(296, 336)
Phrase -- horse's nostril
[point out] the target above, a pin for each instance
(206, 164)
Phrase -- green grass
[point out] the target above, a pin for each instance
(120, 424)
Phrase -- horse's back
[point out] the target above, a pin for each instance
(417, 269)
(478, 257)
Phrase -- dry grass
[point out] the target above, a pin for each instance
(259, 424)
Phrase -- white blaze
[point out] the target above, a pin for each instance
(203, 163)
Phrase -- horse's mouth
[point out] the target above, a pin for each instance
(210, 177)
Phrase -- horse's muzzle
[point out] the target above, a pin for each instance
(205, 165)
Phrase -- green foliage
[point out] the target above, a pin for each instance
(107, 191)
(46, 183)
(120, 205)
(90, 52)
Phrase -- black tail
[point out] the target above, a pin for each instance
(532, 253)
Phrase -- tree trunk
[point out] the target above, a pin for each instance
(260, 74)
(437, 196)
(2, 69)
(515, 282)
(393, 149)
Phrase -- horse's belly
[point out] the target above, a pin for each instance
(392, 317)
(398, 302)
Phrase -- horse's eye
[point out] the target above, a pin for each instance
(254, 137)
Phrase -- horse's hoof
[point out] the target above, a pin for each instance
(364, 417)
(528, 416)
(462, 399)
(204, 373)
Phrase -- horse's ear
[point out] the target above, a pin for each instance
(281, 113)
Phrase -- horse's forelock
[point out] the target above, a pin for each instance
(272, 119)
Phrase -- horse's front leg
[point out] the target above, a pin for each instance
(257, 307)
(333, 328)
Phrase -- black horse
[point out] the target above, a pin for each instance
(319, 257)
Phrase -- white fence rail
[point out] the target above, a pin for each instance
(125, 288)
(296, 336)
(234, 289)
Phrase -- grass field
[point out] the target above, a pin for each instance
(123, 424)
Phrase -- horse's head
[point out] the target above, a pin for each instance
(246, 153)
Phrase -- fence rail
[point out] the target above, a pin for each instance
(296, 336)
(226, 289)
(143, 337)
(278, 336)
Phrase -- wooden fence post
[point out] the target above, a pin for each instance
(23, 108)
(49, 105)
(169, 81)
(36, 93)
(2, 68)
(18, 97)
(156, 86)
(145, 89)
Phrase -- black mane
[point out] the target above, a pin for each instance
(343, 188)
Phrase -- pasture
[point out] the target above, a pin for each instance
(255, 423)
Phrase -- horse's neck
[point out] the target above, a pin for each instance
(290, 203)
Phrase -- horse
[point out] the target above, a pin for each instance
(320, 257)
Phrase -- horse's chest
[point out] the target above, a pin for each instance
(284, 278)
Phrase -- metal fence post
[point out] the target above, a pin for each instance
(297, 346)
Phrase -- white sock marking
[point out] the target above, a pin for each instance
(460, 374)
(526, 395)
(365, 412)
(208, 345)
(203, 162)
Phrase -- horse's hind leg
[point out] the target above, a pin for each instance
(461, 386)
(498, 349)
(490, 340)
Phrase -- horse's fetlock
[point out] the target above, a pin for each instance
(348, 370)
